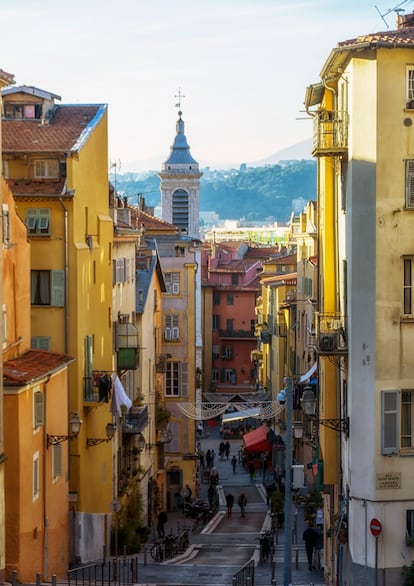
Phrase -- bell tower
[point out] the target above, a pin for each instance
(180, 183)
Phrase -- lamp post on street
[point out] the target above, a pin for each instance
(287, 555)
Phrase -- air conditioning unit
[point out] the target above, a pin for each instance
(328, 342)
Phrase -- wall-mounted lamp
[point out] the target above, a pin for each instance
(309, 403)
(75, 423)
(297, 429)
(110, 432)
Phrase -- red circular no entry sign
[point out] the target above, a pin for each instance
(375, 527)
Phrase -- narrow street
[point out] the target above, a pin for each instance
(225, 545)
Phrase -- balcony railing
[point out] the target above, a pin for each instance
(331, 338)
(236, 334)
(136, 420)
(330, 133)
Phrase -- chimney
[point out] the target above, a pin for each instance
(405, 20)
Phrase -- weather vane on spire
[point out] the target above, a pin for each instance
(180, 96)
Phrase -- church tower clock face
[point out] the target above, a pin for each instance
(180, 185)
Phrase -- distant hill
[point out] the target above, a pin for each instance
(299, 151)
(261, 193)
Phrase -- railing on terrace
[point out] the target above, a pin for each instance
(236, 333)
(330, 133)
(135, 420)
(331, 337)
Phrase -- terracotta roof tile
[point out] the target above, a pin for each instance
(403, 36)
(141, 219)
(60, 134)
(32, 366)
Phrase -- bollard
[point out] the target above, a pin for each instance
(274, 582)
(234, 582)
(145, 555)
(297, 559)
(37, 579)
(249, 581)
(14, 578)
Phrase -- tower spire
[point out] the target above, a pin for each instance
(179, 97)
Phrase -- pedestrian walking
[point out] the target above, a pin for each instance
(309, 537)
(221, 450)
(252, 471)
(227, 449)
(233, 463)
(187, 493)
(214, 476)
(208, 458)
(161, 521)
(242, 502)
(211, 494)
(229, 503)
(212, 456)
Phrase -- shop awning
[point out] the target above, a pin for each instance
(256, 440)
(239, 415)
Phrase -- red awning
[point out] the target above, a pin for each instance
(256, 440)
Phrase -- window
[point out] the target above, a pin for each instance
(214, 375)
(230, 299)
(20, 111)
(216, 298)
(229, 325)
(397, 414)
(216, 354)
(172, 330)
(120, 270)
(38, 221)
(6, 224)
(46, 168)
(409, 527)
(40, 342)
(235, 279)
(408, 286)
(410, 86)
(172, 283)
(38, 409)
(216, 322)
(176, 379)
(227, 352)
(36, 476)
(228, 375)
(56, 461)
(47, 288)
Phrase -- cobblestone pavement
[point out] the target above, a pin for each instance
(225, 545)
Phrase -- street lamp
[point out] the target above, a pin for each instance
(75, 423)
(110, 432)
(309, 404)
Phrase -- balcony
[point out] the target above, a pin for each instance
(136, 420)
(330, 134)
(237, 334)
(331, 339)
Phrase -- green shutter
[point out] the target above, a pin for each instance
(58, 288)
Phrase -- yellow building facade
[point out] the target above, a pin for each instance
(55, 161)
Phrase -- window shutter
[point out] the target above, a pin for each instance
(6, 225)
(57, 460)
(58, 288)
(389, 422)
(39, 409)
(40, 342)
(409, 184)
(184, 379)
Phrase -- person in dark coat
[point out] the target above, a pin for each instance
(161, 521)
(229, 503)
(310, 537)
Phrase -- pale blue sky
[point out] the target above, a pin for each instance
(243, 66)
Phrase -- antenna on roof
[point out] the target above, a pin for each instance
(179, 96)
(395, 9)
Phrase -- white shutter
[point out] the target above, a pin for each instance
(184, 379)
(57, 460)
(389, 422)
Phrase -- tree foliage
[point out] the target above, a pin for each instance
(254, 193)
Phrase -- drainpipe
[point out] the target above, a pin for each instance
(45, 569)
(66, 264)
